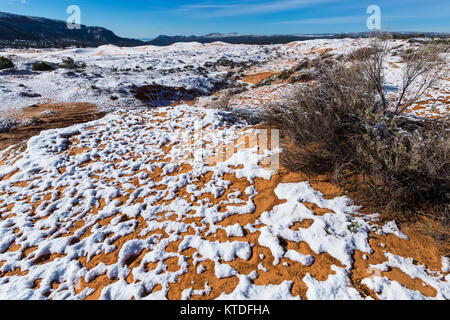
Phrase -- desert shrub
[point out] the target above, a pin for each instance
(421, 71)
(304, 77)
(6, 63)
(222, 101)
(305, 64)
(233, 114)
(285, 75)
(325, 116)
(409, 169)
(69, 63)
(346, 123)
(43, 66)
(229, 75)
(364, 53)
(7, 123)
(325, 55)
(268, 81)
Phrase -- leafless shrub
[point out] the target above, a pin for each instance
(322, 117)
(233, 114)
(421, 71)
(304, 77)
(370, 61)
(222, 102)
(347, 121)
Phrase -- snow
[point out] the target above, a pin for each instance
(328, 233)
(248, 291)
(392, 228)
(234, 230)
(334, 288)
(108, 152)
(446, 264)
(40, 164)
(188, 293)
(300, 258)
(391, 290)
(114, 71)
(94, 189)
(414, 271)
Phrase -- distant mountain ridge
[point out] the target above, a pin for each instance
(42, 31)
(236, 38)
(233, 38)
(18, 31)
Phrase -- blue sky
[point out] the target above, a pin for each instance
(148, 18)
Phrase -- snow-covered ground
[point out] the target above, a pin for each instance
(177, 202)
(131, 206)
(115, 72)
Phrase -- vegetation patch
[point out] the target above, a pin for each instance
(70, 63)
(6, 63)
(7, 123)
(43, 66)
(348, 124)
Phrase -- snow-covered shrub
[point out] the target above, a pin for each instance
(6, 63)
(7, 123)
(43, 66)
(70, 63)
(346, 124)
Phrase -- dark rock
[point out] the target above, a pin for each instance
(159, 95)
(30, 95)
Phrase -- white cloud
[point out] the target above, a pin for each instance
(330, 20)
(249, 8)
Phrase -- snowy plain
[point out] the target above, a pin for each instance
(131, 205)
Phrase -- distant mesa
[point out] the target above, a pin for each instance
(24, 31)
(236, 38)
(17, 31)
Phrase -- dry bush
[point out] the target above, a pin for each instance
(363, 53)
(407, 170)
(325, 116)
(233, 114)
(421, 71)
(222, 102)
(346, 121)
(8, 123)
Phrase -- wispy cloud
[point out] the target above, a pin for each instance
(248, 8)
(329, 20)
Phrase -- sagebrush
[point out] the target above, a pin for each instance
(348, 122)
